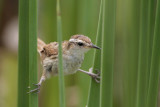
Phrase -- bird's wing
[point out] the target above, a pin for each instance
(51, 49)
(47, 50)
(40, 45)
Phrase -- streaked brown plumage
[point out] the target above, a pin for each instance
(73, 56)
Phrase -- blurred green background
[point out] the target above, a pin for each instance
(78, 17)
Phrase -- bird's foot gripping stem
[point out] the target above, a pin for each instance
(95, 76)
(37, 90)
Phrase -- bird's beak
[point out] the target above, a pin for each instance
(96, 47)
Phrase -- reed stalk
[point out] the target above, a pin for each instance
(94, 91)
(60, 60)
(142, 84)
(108, 36)
(155, 63)
(27, 54)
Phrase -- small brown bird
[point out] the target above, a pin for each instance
(73, 56)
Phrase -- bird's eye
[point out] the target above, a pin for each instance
(80, 44)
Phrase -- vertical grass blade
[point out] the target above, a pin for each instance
(94, 91)
(126, 55)
(142, 85)
(155, 63)
(108, 30)
(150, 31)
(27, 52)
(23, 55)
(33, 98)
(60, 60)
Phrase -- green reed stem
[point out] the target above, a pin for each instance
(108, 35)
(143, 71)
(94, 91)
(60, 63)
(27, 54)
(155, 63)
(23, 55)
(33, 75)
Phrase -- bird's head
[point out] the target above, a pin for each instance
(81, 43)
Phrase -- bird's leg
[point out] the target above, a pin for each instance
(43, 78)
(96, 77)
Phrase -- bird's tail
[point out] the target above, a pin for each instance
(40, 45)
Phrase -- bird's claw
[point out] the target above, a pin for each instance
(95, 76)
(98, 72)
(36, 84)
(37, 90)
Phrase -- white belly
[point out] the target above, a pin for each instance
(70, 64)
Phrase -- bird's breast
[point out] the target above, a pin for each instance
(71, 63)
